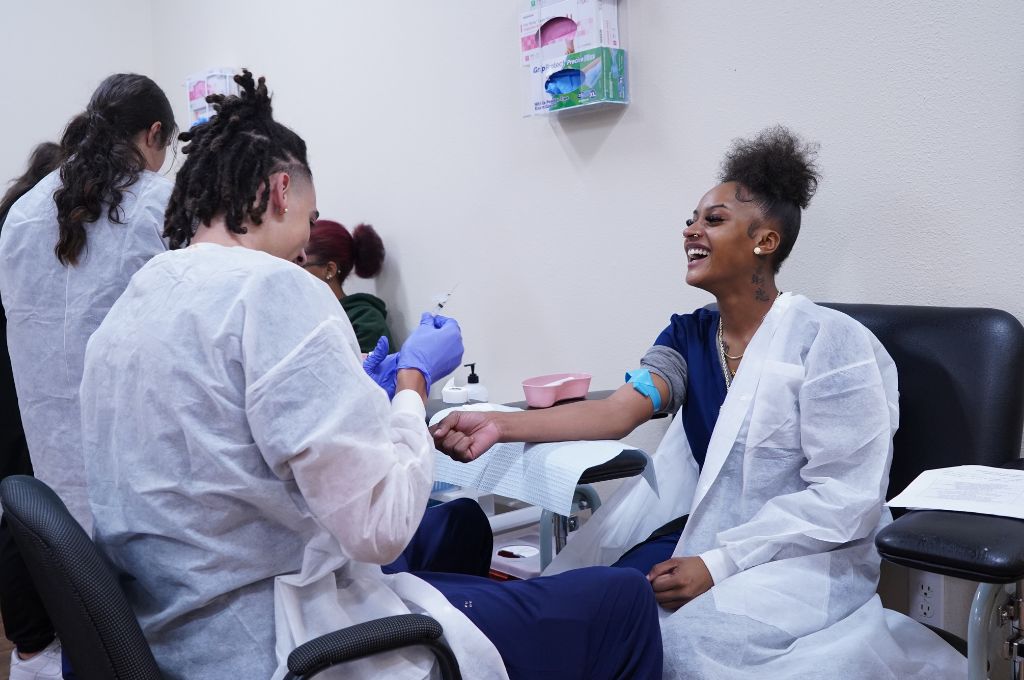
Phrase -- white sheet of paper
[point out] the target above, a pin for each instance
(539, 474)
(966, 488)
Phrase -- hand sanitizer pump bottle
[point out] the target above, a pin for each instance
(477, 392)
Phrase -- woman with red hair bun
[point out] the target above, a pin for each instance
(332, 254)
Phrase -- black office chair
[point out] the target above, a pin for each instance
(99, 631)
(961, 380)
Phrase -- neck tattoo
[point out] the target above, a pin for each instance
(724, 357)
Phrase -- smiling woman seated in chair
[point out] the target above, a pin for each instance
(760, 546)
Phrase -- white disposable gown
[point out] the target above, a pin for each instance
(246, 476)
(53, 309)
(784, 514)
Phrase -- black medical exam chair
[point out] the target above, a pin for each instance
(961, 380)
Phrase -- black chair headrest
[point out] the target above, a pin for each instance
(961, 379)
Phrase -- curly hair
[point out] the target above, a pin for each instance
(101, 159)
(776, 170)
(45, 159)
(362, 250)
(229, 160)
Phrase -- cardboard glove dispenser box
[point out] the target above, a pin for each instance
(572, 56)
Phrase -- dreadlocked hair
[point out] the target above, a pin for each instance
(101, 160)
(776, 170)
(229, 161)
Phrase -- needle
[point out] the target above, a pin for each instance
(444, 300)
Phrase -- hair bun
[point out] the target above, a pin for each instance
(776, 166)
(367, 251)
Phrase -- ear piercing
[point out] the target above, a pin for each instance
(757, 250)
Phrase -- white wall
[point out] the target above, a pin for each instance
(564, 234)
(53, 54)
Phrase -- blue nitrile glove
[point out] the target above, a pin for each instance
(382, 367)
(434, 348)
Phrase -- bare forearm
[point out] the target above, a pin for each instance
(411, 379)
(609, 418)
(465, 435)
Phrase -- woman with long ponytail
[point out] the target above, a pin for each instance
(67, 250)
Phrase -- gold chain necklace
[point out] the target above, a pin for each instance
(721, 343)
(722, 356)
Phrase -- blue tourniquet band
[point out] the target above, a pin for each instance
(642, 383)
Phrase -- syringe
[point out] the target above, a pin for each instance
(441, 302)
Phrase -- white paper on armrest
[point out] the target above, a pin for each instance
(540, 474)
(966, 488)
(437, 417)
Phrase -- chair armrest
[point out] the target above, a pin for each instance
(593, 395)
(372, 637)
(965, 545)
(629, 463)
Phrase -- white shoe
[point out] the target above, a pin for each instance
(43, 666)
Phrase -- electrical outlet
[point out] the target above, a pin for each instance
(925, 597)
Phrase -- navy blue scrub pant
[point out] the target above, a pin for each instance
(453, 537)
(653, 551)
(595, 623)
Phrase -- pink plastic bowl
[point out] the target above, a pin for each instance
(540, 393)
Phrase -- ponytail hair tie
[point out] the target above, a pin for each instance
(97, 117)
